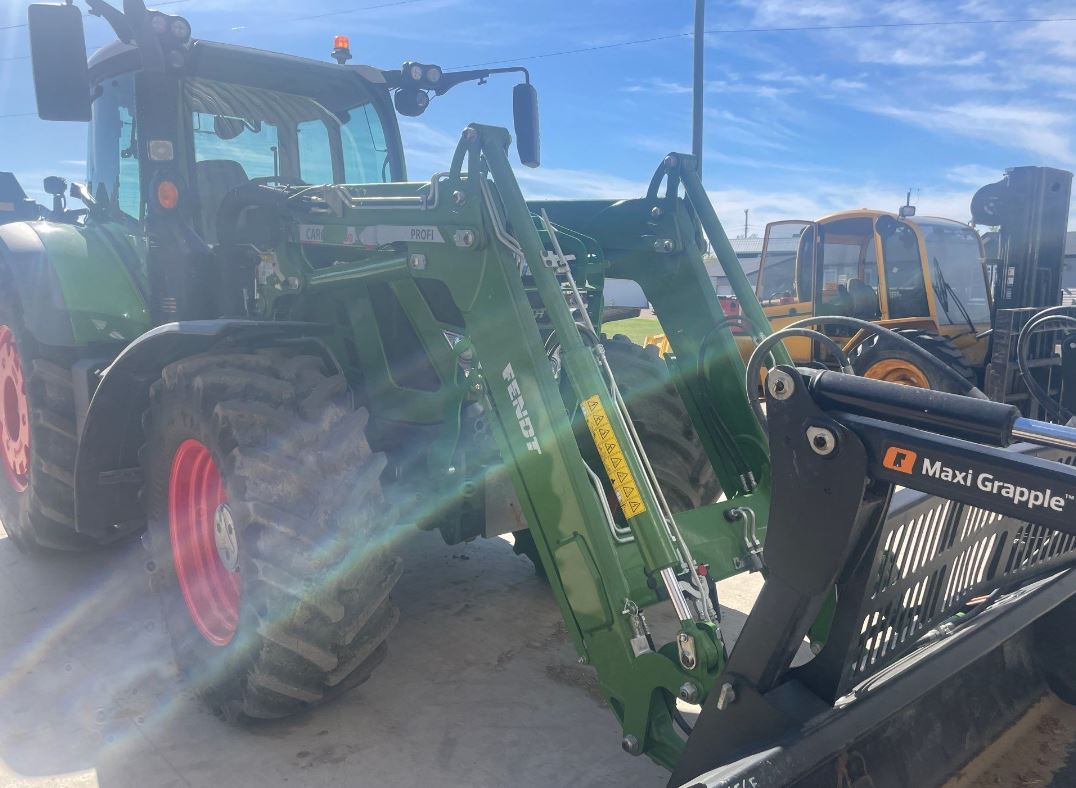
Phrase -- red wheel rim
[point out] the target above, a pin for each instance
(14, 412)
(210, 588)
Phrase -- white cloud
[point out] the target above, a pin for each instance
(1035, 129)
(973, 174)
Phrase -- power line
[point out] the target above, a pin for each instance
(800, 29)
(653, 39)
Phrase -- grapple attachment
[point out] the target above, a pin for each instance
(928, 649)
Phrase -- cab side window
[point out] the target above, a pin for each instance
(113, 171)
(847, 253)
(905, 288)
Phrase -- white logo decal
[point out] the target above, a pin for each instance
(311, 233)
(522, 416)
(381, 234)
(1033, 499)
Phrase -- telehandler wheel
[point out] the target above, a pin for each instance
(882, 359)
(664, 426)
(268, 531)
(37, 440)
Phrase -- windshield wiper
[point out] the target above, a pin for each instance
(939, 277)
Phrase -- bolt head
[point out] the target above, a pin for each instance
(822, 440)
(631, 745)
(689, 692)
(656, 212)
(459, 197)
(780, 385)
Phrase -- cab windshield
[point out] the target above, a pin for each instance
(242, 133)
(959, 283)
(284, 136)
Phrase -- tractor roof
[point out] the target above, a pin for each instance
(334, 86)
(870, 213)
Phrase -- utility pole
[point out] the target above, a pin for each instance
(745, 212)
(698, 84)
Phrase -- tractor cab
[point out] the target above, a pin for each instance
(181, 139)
(186, 135)
(918, 273)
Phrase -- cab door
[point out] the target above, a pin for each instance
(786, 275)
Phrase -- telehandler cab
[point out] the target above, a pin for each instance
(272, 352)
(926, 278)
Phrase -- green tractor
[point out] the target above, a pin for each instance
(263, 347)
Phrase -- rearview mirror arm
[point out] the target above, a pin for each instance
(450, 80)
(115, 18)
(394, 79)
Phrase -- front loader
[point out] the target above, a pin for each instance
(270, 351)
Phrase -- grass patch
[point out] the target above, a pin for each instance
(636, 328)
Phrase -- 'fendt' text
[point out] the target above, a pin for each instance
(522, 416)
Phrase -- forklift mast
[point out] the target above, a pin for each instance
(1030, 206)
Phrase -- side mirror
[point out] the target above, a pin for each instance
(886, 226)
(55, 185)
(58, 52)
(411, 102)
(528, 135)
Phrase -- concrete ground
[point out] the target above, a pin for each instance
(481, 688)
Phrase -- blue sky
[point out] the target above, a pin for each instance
(798, 124)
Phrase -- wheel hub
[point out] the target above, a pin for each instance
(895, 370)
(14, 413)
(224, 535)
(205, 547)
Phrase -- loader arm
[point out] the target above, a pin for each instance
(607, 539)
(979, 546)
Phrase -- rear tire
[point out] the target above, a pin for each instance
(665, 428)
(38, 440)
(881, 358)
(291, 606)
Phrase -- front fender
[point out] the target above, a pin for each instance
(108, 478)
(76, 285)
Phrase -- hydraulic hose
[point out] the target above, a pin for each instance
(1054, 410)
(970, 389)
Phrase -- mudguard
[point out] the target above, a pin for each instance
(77, 285)
(108, 478)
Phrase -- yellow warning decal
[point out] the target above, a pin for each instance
(627, 491)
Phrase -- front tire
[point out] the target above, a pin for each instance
(38, 440)
(268, 531)
(880, 358)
